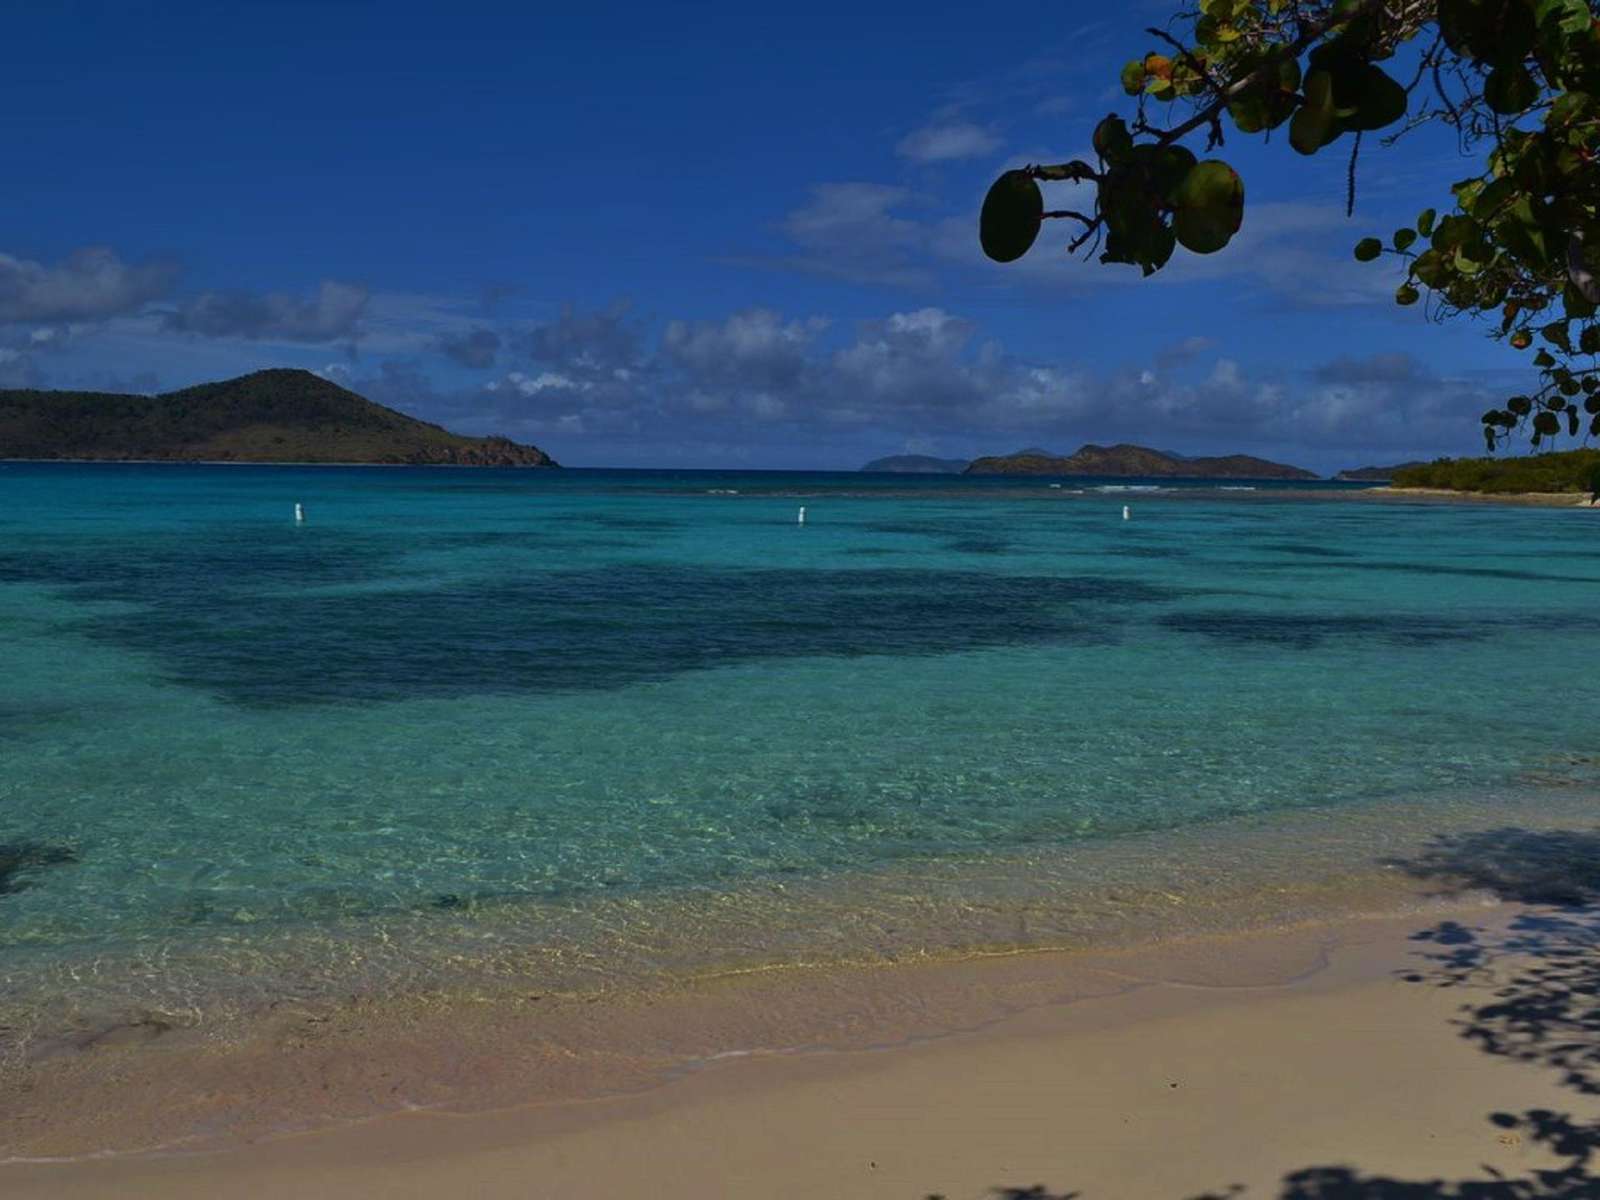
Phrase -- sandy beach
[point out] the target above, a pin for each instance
(1532, 499)
(1326, 1061)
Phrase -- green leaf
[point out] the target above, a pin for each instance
(1164, 167)
(1378, 100)
(1430, 268)
(1557, 334)
(1306, 128)
(1488, 203)
(1319, 120)
(1251, 111)
(1368, 249)
(1012, 213)
(1522, 234)
(1510, 90)
(1111, 139)
(1452, 232)
(1458, 22)
(1133, 77)
(1425, 221)
(1209, 206)
(1488, 30)
(1406, 295)
(1576, 303)
(1403, 238)
(1147, 244)
(1569, 16)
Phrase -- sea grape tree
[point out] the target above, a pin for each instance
(1516, 81)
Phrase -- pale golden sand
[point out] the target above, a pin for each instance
(1533, 499)
(1167, 1072)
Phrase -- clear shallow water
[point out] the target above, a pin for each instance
(454, 695)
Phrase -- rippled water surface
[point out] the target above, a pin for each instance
(453, 695)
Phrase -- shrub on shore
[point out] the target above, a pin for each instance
(1569, 471)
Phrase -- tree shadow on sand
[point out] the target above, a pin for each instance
(1534, 999)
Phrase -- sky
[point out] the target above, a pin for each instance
(719, 235)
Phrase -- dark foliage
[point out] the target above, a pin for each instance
(1569, 471)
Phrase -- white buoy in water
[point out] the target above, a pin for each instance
(802, 519)
(299, 513)
(1125, 513)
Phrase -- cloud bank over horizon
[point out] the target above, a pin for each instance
(761, 387)
(752, 387)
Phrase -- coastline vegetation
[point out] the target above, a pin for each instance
(1573, 471)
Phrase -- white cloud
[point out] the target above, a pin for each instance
(89, 284)
(544, 381)
(855, 231)
(330, 313)
(946, 142)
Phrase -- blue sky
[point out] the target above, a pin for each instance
(713, 235)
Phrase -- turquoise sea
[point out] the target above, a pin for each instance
(475, 724)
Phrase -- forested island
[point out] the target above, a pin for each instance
(1138, 461)
(272, 416)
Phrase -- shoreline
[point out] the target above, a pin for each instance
(1446, 495)
(570, 1014)
(1238, 1060)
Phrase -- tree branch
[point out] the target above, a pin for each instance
(1212, 112)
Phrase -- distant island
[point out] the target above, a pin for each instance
(1375, 474)
(917, 464)
(1128, 460)
(273, 416)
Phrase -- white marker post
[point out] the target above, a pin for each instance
(802, 519)
(299, 514)
(1125, 513)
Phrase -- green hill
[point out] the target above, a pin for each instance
(267, 416)
(1568, 471)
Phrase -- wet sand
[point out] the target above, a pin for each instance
(1165, 1072)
